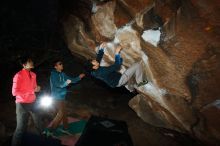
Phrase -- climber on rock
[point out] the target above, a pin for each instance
(110, 74)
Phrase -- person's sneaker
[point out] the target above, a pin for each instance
(48, 133)
(142, 83)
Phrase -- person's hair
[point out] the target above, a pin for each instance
(54, 63)
(24, 60)
(88, 65)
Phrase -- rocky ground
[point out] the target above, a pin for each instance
(91, 97)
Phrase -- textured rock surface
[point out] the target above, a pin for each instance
(103, 21)
(183, 71)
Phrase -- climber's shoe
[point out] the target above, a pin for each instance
(142, 83)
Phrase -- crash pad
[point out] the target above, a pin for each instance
(68, 136)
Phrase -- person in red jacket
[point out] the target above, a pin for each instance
(24, 88)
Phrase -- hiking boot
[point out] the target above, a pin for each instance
(142, 83)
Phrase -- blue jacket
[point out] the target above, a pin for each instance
(110, 74)
(58, 84)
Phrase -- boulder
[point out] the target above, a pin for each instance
(182, 70)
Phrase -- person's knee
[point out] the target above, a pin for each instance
(136, 64)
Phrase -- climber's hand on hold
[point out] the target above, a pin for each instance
(118, 49)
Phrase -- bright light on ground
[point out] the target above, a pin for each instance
(46, 101)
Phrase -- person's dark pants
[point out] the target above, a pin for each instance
(60, 115)
(23, 112)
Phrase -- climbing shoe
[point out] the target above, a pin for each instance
(142, 83)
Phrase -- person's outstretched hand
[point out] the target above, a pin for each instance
(68, 81)
(81, 76)
(103, 45)
(118, 49)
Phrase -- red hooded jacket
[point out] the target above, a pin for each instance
(24, 84)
